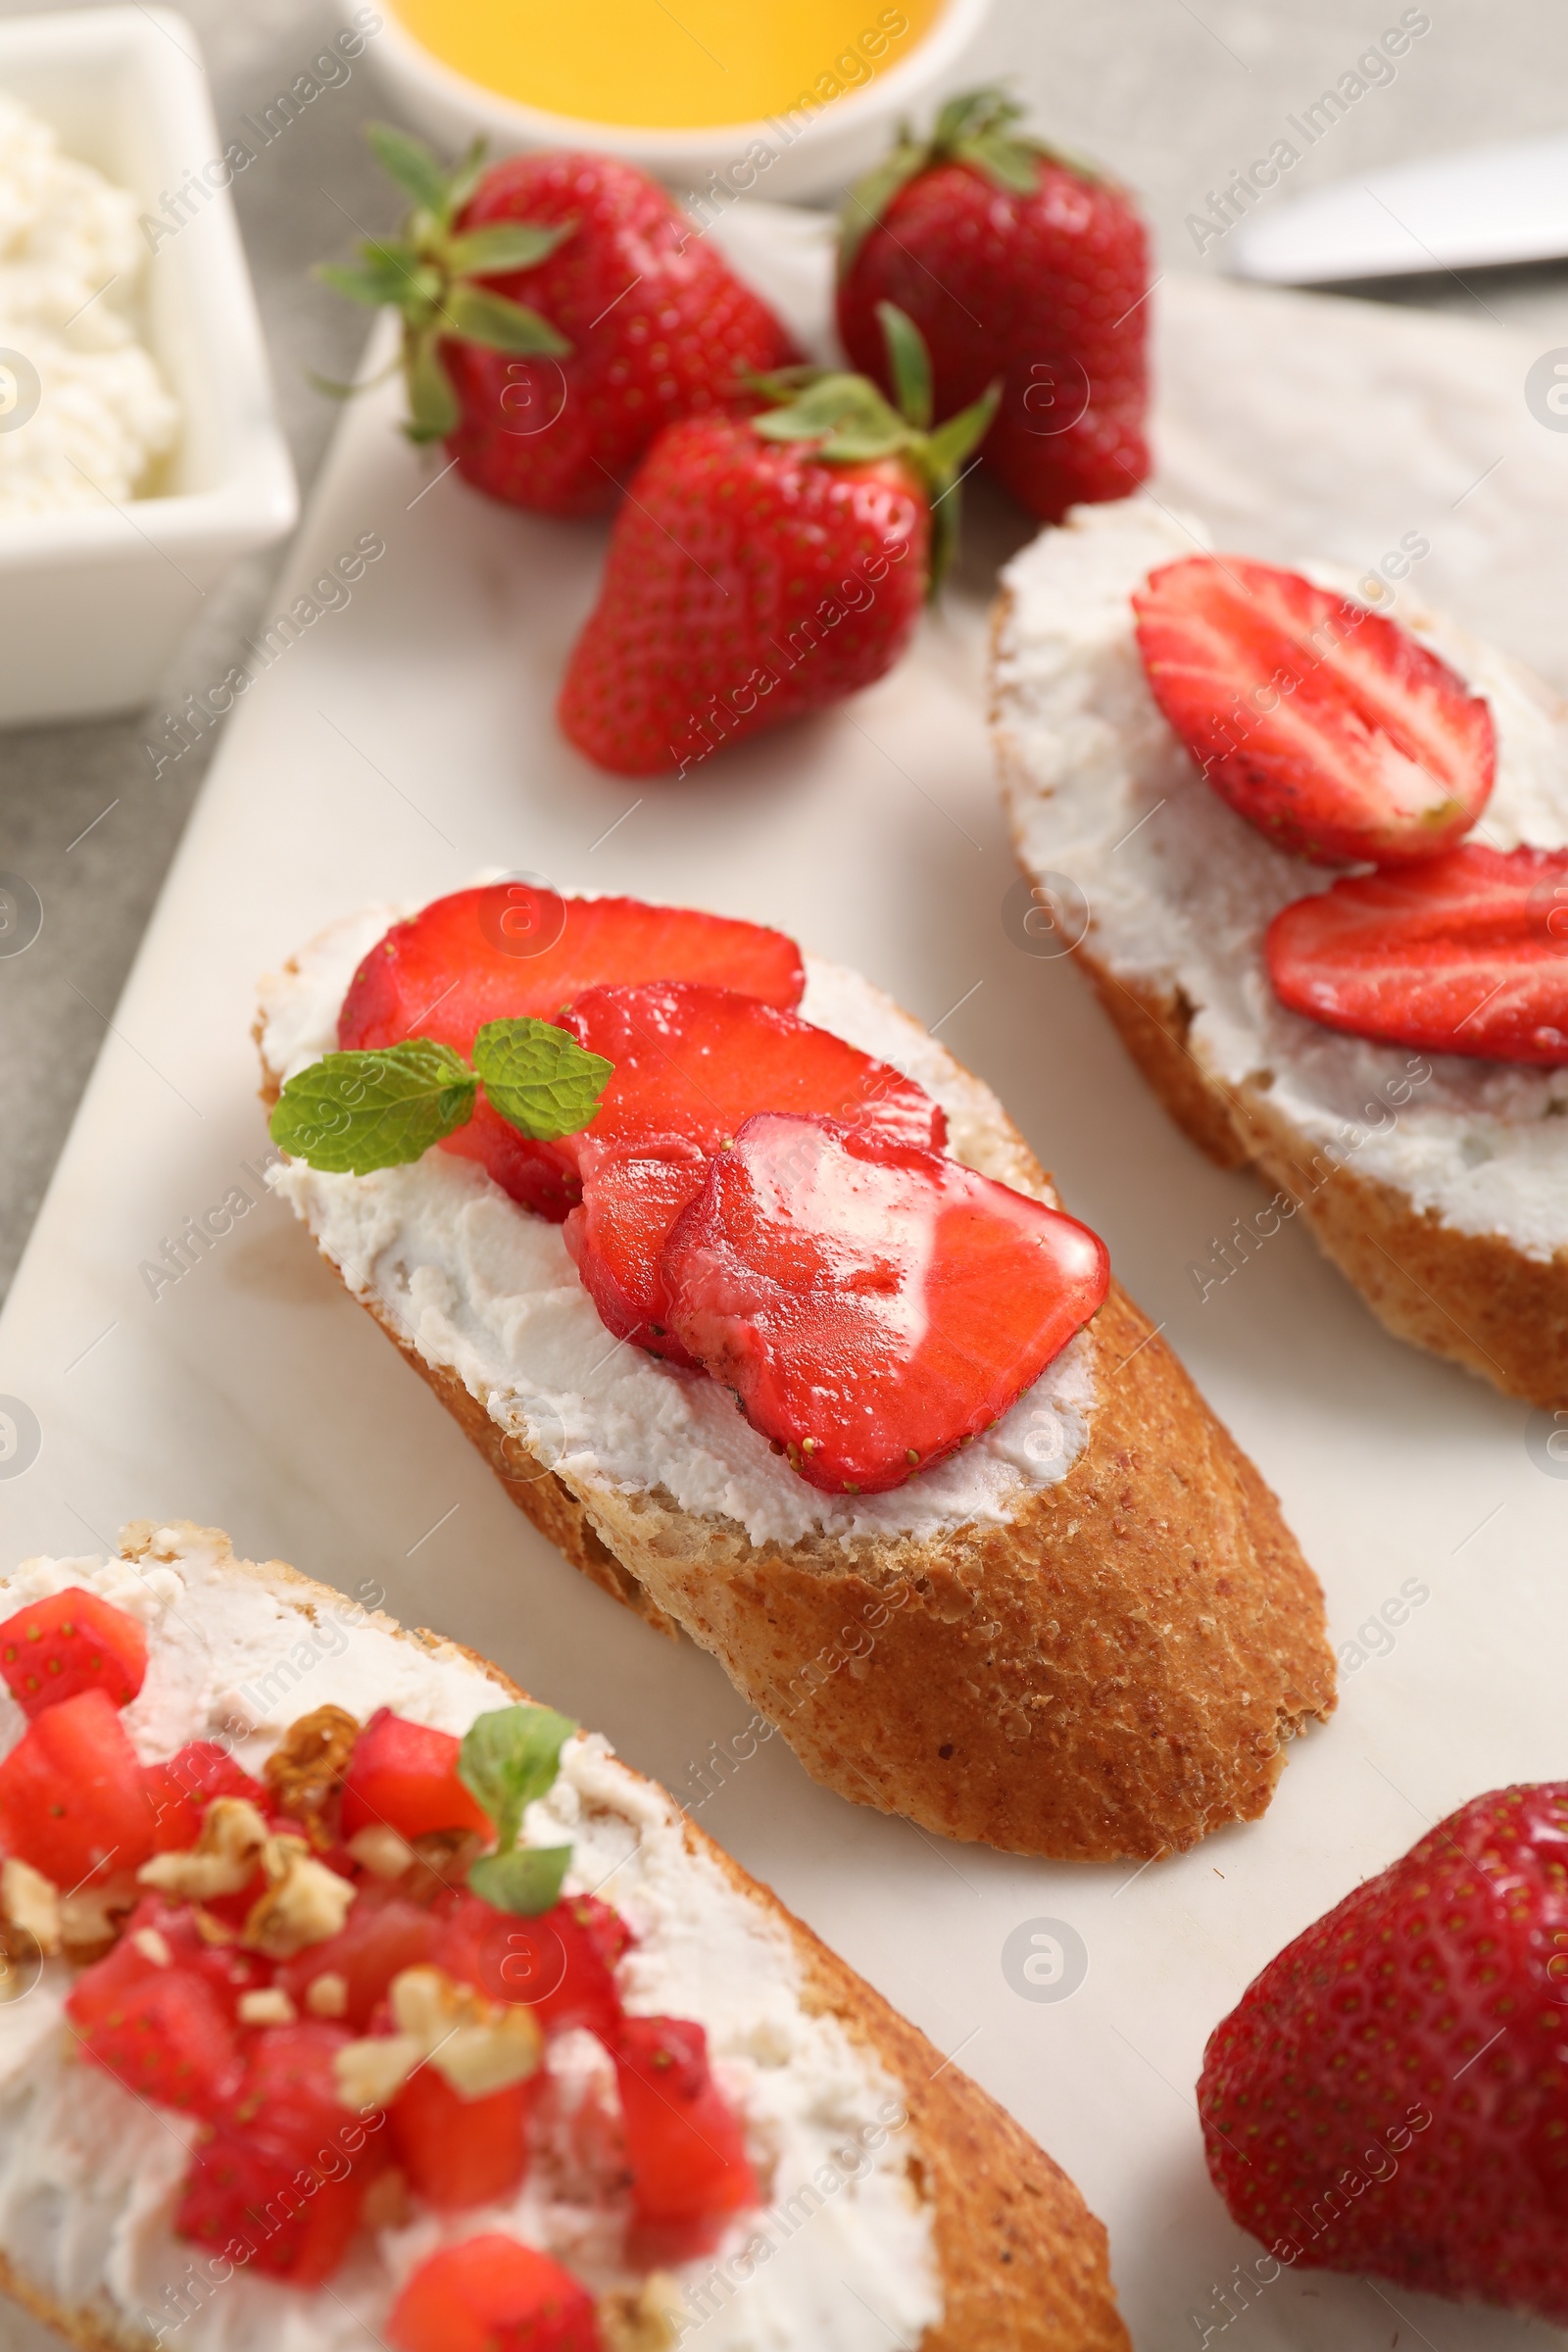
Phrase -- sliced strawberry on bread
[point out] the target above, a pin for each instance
(631, 1195)
(1324, 723)
(1390, 2095)
(1465, 953)
(872, 1305)
(691, 1062)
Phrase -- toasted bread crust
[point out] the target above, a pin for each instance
(1471, 1298)
(1023, 2261)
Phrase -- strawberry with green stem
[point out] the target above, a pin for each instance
(1019, 262)
(763, 567)
(558, 310)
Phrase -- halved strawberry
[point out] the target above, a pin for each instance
(1465, 955)
(72, 1800)
(492, 2293)
(691, 1063)
(631, 1195)
(1327, 725)
(871, 1304)
(72, 1641)
(515, 950)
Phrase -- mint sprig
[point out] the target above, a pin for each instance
(432, 273)
(508, 1759)
(350, 1113)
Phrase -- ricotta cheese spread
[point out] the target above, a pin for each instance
(842, 2255)
(484, 1289)
(84, 413)
(1180, 889)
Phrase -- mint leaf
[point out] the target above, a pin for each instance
(539, 1079)
(507, 1759)
(526, 1881)
(351, 1112)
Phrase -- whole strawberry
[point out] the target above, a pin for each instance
(764, 565)
(1390, 2095)
(559, 311)
(1015, 261)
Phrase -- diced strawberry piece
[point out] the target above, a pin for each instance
(261, 2208)
(492, 2294)
(871, 1306)
(458, 2152)
(289, 2098)
(169, 2038)
(406, 1775)
(71, 1801)
(1327, 725)
(1466, 955)
(684, 2143)
(69, 1642)
(691, 1062)
(561, 1963)
(631, 1195)
(510, 949)
(180, 1789)
(378, 1941)
(223, 1968)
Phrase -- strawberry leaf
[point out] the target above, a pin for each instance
(379, 279)
(526, 1881)
(509, 1758)
(351, 1112)
(846, 414)
(870, 197)
(412, 163)
(910, 364)
(480, 317)
(539, 1079)
(504, 245)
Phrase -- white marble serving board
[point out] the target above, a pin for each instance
(407, 741)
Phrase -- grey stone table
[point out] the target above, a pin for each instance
(1174, 97)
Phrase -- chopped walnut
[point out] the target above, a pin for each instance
(441, 1859)
(328, 1995)
(30, 1904)
(221, 1861)
(305, 1902)
(91, 1918)
(153, 1947)
(475, 2044)
(266, 2005)
(306, 1770)
(380, 1850)
(643, 2318)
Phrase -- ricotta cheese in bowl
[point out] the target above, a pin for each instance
(476, 1285)
(84, 412)
(1180, 889)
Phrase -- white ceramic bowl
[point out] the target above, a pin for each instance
(97, 599)
(810, 155)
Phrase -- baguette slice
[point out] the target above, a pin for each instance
(1103, 1660)
(1439, 1187)
(999, 2246)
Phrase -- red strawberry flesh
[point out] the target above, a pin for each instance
(1327, 725)
(1390, 2095)
(515, 950)
(873, 1306)
(1467, 953)
(631, 1195)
